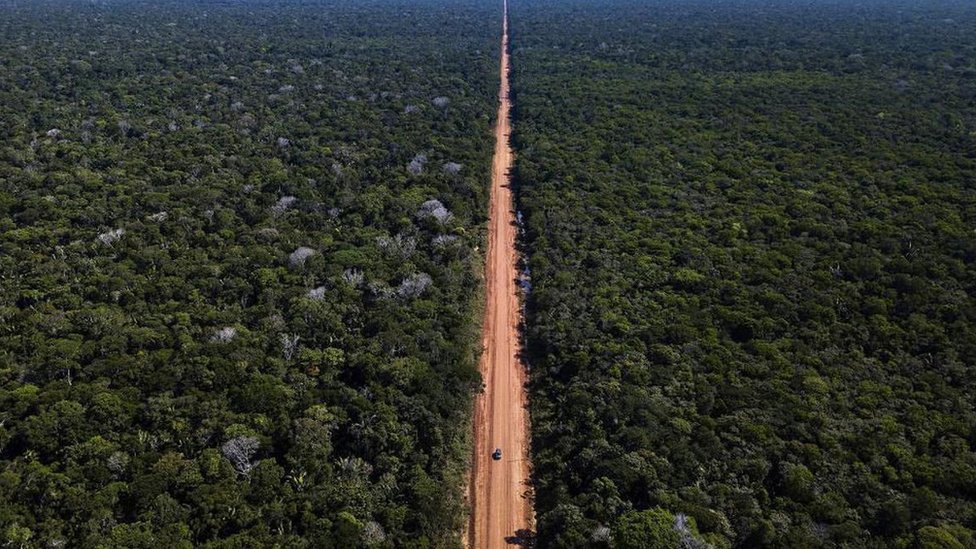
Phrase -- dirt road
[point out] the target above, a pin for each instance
(501, 513)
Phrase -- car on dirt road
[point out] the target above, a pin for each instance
(497, 454)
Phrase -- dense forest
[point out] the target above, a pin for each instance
(239, 270)
(750, 228)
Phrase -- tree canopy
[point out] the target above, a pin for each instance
(229, 316)
(749, 232)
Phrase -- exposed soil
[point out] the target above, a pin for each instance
(501, 513)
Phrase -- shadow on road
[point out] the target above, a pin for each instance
(522, 538)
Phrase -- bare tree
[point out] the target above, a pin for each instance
(416, 166)
(601, 534)
(414, 285)
(687, 539)
(283, 204)
(398, 246)
(224, 335)
(240, 450)
(353, 277)
(289, 345)
(117, 463)
(299, 256)
(318, 294)
(433, 208)
(110, 237)
(373, 534)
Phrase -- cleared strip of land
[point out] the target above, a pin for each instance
(501, 511)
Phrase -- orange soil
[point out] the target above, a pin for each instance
(499, 491)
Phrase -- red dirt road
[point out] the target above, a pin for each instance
(501, 504)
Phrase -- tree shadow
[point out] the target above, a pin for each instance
(523, 538)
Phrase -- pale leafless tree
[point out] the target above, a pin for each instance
(299, 256)
(414, 285)
(110, 237)
(416, 166)
(283, 204)
(289, 345)
(240, 450)
(224, 335)
(433, 208)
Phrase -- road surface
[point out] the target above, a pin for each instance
(501, 504)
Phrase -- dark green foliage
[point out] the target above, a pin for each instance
(650, 529)
(176, 369)
(750, 229)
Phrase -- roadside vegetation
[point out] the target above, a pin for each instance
(237, 260)
(750, 230)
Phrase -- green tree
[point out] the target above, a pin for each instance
(648, 529)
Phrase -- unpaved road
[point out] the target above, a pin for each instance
(501, 504)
